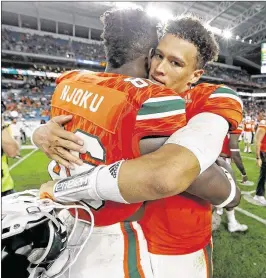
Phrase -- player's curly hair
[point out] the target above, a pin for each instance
(192, 29)
(127, 34)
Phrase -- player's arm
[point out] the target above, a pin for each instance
(166, 172)
(216, 185)
(9, 144)
(213, 185)
(222, 163)
(234, 148)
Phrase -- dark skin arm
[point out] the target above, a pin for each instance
(212, 185)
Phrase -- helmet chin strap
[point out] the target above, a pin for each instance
(69, 256)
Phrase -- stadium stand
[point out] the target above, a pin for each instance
(38, 44)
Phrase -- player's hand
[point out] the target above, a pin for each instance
(57, 143)
(47, 190)
(259, 162)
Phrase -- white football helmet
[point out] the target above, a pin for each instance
(248, 119)
(36, 235)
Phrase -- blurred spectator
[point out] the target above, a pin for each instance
(9, 148)
(14, 127)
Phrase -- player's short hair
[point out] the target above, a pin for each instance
(127, 34)
(192, 29)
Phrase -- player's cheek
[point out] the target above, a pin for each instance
(173, 79)
(153, 66)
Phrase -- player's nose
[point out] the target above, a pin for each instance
(160, 68)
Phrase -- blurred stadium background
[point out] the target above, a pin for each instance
(42, 39)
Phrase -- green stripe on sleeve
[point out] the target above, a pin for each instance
(132, 252)
(209, 254)
(225, 90)
(161, 107)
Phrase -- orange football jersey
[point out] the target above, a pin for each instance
(111, 113)
(216, 99)
(262, 124)
(248, 127)
(226, 148)
(182, 224)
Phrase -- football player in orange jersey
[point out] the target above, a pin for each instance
(207, 98)
(181, 225)
(71, 88)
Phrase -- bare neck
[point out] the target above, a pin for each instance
(130, 69)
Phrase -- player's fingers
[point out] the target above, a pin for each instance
(46, 192)
(65, 154)
(70, 136)
(62, 161)
(71, 146)
(61, 120)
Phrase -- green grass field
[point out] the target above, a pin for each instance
(238, 255)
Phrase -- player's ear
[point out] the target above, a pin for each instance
(197, 75)
(151, 54)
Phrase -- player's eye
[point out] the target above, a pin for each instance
(175, 64)
(158, 56)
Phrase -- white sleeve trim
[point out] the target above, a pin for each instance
(232, 192)
(203, 136)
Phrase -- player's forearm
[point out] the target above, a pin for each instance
(257, 147)
(222, 163)
(9, 144)
(214, 186)
(164, 173)
(258, 139)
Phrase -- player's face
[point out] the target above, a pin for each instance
(173, 63)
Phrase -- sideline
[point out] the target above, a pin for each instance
(248, 157)
(27, 147)
(248, 192)
(22, 159)
(261, 220)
